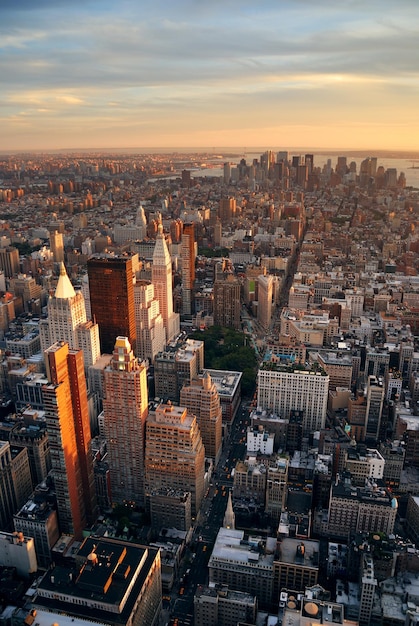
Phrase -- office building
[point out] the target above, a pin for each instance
(374, 410)
(161, 277)
(56, 244)
(151, 333)
(188, 256)
(221, 606)
(393, 453)
(250, 481)
(265, 295)
(296, 565)
(338, 365)
(245, 562)
(177, 366)
(282, 388)
(227, 302)
(111, 291)
(201, 398)
(26, 287)
(368, 587)
(66, 311)
(276, 488)
(18, 551)
(66, 411)
(228, 385)
(30, 432)
(227, 210)
(369, 508)
(259, 439)
(170, 508)
(363, 463)
(9, 261)
(125, 407)
(174, 452)
(110, 582)
(67, 321)
(38, 519)
(15, 481)
(87, 340)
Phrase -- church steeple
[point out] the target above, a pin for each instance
(229, 517)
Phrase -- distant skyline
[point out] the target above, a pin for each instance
(95, 74)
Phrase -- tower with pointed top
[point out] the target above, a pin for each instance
(229, 517)
(161, 275)
(67, 319)
(125, 409)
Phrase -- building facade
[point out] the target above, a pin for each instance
(125, 408)
(174, 453)
(111, 291)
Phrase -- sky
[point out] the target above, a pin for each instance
(95, 74)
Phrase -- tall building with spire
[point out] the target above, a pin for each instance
(125, 408)
(67, 321)
(229, 517)
(66, 409)
(161, 276)
(202, 399)
(111, 287)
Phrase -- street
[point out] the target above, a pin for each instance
(209, 521)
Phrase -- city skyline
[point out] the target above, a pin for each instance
(96, 75)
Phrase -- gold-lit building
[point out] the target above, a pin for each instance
(202, 399)
(125, 408)
(67, 416)
(174, 452)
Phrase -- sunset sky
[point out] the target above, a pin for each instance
(215, 73)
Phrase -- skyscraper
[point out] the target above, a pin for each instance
(227, 302)
(282, 388)
(112, 298)
(56, 245)
(374, 411)
(125, 408)
(65, 402)
(66, 311)
(175, 455)
(161, 276)
(151, 334)
(188, 256)
(67, 321)
(202, 399)
(265, 294)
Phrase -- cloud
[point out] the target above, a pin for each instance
(102, 61)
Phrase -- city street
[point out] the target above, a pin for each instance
(209, 521)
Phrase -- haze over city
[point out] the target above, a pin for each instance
(95, 75)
